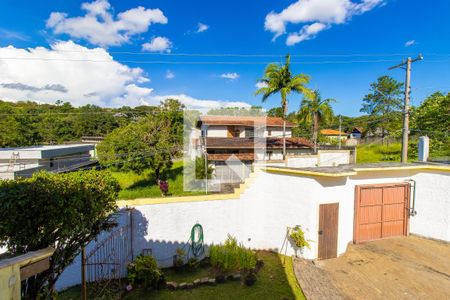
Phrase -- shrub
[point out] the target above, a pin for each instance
(250, 278)
(63, 211)
(192, 264)
(179, 258)
(232, 256)
(298, 237)
(144, 271)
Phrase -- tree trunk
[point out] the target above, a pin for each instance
(284, 132)
(315, 130)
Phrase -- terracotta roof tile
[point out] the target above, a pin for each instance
(226, 156)
(244, 121)
(331, 132)
(251, 143)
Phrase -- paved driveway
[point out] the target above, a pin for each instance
(396, 268)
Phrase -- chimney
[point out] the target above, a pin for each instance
(424, 148)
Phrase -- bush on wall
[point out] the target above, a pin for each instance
(63, 211)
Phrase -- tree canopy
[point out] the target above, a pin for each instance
(432, 118)
(30, 123)
(384, 103)
(314, 110)
(63, 211)
(149, 143)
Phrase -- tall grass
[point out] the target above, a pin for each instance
(232, 256)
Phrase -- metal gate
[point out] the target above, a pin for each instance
(106, 264)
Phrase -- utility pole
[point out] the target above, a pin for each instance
(340, 131)
(405, 130)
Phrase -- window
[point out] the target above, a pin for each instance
(249, 132)
(269, 132)
(237, 133)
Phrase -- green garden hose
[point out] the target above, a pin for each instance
(197, 246)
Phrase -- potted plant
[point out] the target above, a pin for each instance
(298, 240)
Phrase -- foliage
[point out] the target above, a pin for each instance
(31, 123)
(63, 211)
(314, 110)
(200, 168)
(149, 143)
(275, 112)
(237, 111)
(192, 264)
(145, 272)
(279, 79)
(143, 185)
(275, 281)
(180, 254)
(379, 152)
(232, 256)
(298, 237)
(432, 118)
(383, 103)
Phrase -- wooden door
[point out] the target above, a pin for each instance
(328, 230)
(230, 131)
(381, 211)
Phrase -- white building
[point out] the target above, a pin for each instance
(24, 161)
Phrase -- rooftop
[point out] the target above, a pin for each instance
(45, 151)
(251, 143)
(243, 121)
(332, 132)
(349, 170)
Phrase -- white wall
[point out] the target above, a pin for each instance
(329, 158)
(432, 206)
(217, 131)
(305, 161)
(272, 203)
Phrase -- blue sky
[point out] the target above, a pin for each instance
(377, 31)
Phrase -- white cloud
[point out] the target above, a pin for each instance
(260, 85)
(410, 43)
(201, 104)
(315, 12)
(70, 72)
(231, 76)
(170, 74)
(100, 27)
(202, 27)
(158, 44)
(306, 33)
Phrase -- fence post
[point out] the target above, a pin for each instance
(83, 275)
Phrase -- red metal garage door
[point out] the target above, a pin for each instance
(381, 211)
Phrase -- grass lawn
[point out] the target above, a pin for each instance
(380, 153)
(144, 185)
(275, 281)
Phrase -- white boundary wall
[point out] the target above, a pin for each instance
(274, 201)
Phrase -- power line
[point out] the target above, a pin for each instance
(94, 51)
(206, 62)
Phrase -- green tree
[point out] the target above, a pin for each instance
(275, 112)
(314, 110)
(432, 118)
(63, 211)
(383, 104)
(149, 143)
(279, 79)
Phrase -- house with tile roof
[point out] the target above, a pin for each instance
(248, 138)
(333, 134)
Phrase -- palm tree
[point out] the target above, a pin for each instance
(279, 79)
(314, 110)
